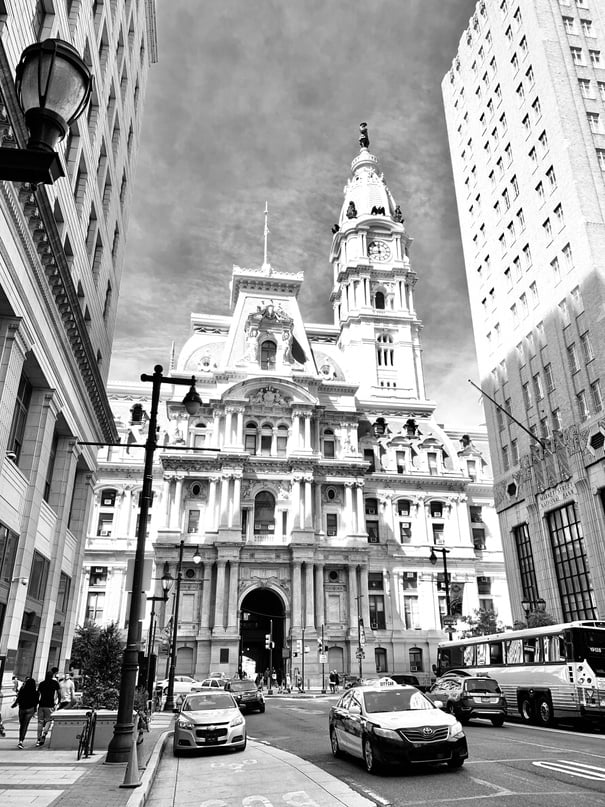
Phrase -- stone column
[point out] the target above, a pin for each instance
(216, 429)
(295, 435)
(361, 525)
(317, 515)
(240, 429)
(223, 514)
(228, 427)
(206, 589)
(296, 502)
(15, 341)
(308, 503)
(365, 599)
(235, 519)
(320, 608)
(349, 518)
(309, 597)
(352, 581)
(232, 618)
(296, 598)
(219, 603)
(175, 515)
(166, 499)
(307, 444)
(211, 506)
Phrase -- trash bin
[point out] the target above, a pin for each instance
(69, 723)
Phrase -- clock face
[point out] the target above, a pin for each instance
(379, 250)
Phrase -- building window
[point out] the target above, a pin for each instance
(572, 357)
(50, 467)
(552, 179)
(411, 613)
(585, 87)
(601, 158)
(95, 604)
(331, 524)
(514, 452)
(587, 351)
(17, 432)
(436, 509)
(595, 57)
(8, 553)
(328, 444)
(38, 577)
(569, 556)
(193, 523)
(550, 382)
(250, 437)
(264, 512)
(282, 441)
(576, 55)
(595, 394)
(567, 254)
(594, 122)
(376, 609)
(478, 538)
(525, 559)
(538, 390)
(564, 312)
(438, 534)
(569, 24)
(268, 352)
(105, 524)
(405, 532)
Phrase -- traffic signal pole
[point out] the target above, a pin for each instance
(270, 690)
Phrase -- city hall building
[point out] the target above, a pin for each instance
(314, 484)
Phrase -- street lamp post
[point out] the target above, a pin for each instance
(533, 605)
(120, 745)
(361, 637)
(169, 703)
(166, 581)
(448, 606)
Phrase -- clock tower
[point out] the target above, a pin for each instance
(372, 295)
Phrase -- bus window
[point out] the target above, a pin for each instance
(531, 651)
(514, 651)
(482, 654)
(469, 655)
(496, 655)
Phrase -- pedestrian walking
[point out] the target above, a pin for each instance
(332, 680)
(336, 679)
(49, 692)
(67, 692)
(27, 701)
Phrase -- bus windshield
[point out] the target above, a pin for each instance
(589, 645)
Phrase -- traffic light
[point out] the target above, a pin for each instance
(319, 645)
(325, 648)
(299, 645)
(268, 641)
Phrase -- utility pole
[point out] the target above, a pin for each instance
(361, 636)
(270, 690)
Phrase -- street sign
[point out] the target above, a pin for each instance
(448, 621)
(360, 653)
(323, 659)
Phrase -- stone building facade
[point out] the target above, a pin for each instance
(525, 109)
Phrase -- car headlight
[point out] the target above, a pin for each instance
(184, 724)
(456, 730)
(237, 721)
(387, 733)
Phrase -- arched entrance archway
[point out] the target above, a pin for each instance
(261, 613)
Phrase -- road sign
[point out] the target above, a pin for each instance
(323, 659)
(448, 621)
(360, 653)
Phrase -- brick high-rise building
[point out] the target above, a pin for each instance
(61, 252)
(525, 110)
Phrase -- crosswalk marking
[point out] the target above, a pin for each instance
(574, 769)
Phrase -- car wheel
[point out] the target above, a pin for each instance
(336, 752)
(456, 762)
(526, 710)
(369, 758)
(544, 713)
(497, 721)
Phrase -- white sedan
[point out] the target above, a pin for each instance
(183, 684)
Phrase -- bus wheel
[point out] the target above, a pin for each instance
(526, 710)
(544, 713)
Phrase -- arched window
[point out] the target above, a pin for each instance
(268, 350)
(384, 350)
(250, 437)
(266, 439)
(282, 440)
(108, 497)
(379, 300)
(328, 443)
(199, 434)
(264, 512)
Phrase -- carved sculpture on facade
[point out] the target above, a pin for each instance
(269, 396)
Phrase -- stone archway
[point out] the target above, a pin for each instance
(262, 612)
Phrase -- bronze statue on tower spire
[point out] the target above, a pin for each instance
(364, 140)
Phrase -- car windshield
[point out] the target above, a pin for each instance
(395, 700)
(242, 686)
(482, 685)
(214, 700)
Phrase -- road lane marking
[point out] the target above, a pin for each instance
(500, 791)
(574, 769)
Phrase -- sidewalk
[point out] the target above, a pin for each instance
(41, 777)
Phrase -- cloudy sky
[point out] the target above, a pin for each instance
(255, 100)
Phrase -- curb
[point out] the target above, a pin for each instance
(139, 797)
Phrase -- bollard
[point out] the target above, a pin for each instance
(131, 777)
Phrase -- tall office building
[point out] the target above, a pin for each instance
(61, 249)
(322, 485)
(525, 109)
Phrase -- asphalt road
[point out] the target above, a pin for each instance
(522, 766)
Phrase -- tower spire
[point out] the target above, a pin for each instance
(266, 234)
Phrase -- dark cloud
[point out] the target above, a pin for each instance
(260, 100)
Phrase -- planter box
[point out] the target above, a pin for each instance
(69, 723)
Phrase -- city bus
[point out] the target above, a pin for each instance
(550, 673)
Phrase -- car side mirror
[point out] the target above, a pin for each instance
(439, 704)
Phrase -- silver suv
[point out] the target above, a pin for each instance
(469, 696)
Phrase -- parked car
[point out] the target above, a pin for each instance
(469, 696)
(209, 719)
(217, 683)
(247, 695)
(182, 685)
(388, 724)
